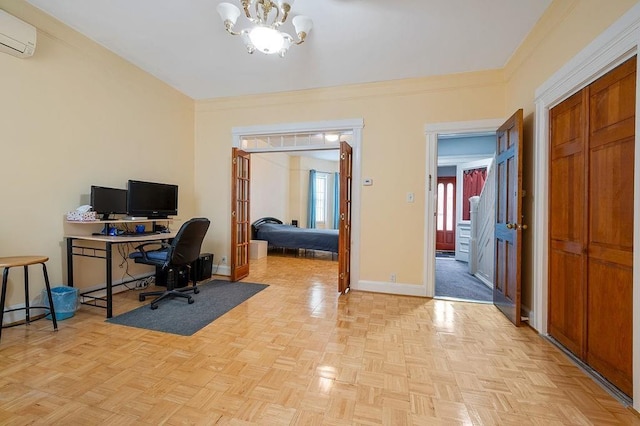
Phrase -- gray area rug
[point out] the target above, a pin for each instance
(176, 316)
(454, 280)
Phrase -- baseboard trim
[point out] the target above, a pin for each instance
(222, 270)
(597, 377)
(484, 280)
(19, 316)
(390, 288)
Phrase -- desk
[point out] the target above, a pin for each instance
(75, 247)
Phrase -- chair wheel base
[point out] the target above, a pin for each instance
(190, 300)
(154, 306)
(141, 298)
(196, 290)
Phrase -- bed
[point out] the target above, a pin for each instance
(280, 235)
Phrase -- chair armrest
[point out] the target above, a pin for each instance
(156, 243)
(141, 248)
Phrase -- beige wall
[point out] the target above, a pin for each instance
(269, 186)
(566, 28)
(393, 153)
(297, 205)
(71, 116)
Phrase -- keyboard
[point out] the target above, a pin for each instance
(138, 234)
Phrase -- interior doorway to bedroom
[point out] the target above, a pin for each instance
(464, 217)
(250, 142)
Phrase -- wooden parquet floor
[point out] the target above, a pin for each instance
(297, 353)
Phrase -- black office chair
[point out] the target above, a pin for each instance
(183, 250)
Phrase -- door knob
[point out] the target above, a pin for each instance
(522, 227)
(510, 226)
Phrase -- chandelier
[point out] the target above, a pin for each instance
(267, 16)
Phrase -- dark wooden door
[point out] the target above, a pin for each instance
(446, 214)
(509, 226)
(592, 145)
(240, 225)
(610, 253)
(568, 223)
(344, 239)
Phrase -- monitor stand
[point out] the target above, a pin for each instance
(105, 230)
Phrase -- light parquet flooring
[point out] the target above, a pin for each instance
(297, 353)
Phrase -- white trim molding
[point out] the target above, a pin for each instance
(432, 131)
(311, 126)
(611, 48)
(391, 288)
(352, 125)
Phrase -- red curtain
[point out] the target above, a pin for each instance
(473, 182)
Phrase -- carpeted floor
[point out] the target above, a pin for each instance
(178, 317)
(453, 280)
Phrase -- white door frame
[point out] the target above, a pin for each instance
(611, 48)
(432, 131)
(354, 126)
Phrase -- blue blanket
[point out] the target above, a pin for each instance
(287, 236)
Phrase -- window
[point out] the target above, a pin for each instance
(321, 198)
(445, 207)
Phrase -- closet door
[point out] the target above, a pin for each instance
(610, 254)
(592, 143)
(568, 224)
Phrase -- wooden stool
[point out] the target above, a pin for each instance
(25, 261)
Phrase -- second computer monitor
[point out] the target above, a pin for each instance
(152, 199)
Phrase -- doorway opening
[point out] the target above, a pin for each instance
(289, 141)
(464, 260)
(433, 133)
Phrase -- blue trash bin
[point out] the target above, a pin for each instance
(65, 301)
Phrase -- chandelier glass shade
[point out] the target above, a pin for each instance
(266, 16)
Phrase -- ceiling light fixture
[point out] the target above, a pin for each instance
(267, 17)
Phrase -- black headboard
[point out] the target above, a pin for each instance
(255, 225)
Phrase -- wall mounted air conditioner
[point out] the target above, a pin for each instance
(17, 38)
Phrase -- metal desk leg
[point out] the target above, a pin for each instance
(70, 262)
(109, 282)
(5, 276)
(52, 309)
(26, 294)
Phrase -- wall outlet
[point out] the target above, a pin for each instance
(223, 260)
(393, 277)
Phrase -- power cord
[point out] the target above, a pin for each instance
(140, 284)
(215, 272)
(145, 282)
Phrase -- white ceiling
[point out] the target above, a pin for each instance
(183, 42)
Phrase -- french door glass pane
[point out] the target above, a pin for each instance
(440, 218)
(449, 207)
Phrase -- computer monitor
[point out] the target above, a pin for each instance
(107, 201)
(152, 199)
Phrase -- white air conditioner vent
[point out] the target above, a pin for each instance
(17, 38)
